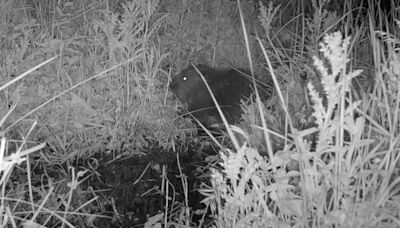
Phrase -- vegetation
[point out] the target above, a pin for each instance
(91, 136)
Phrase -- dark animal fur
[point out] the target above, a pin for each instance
(228, 87)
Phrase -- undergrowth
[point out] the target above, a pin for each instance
(347, 176)
(84, 80)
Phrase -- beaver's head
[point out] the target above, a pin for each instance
(188, 83)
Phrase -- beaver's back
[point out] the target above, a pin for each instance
(228, 87)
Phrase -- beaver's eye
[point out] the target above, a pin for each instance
(184, 78)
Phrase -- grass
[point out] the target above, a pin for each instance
(82, 81)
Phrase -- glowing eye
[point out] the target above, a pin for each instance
(184, 78)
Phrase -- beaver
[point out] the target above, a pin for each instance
(228, 87)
